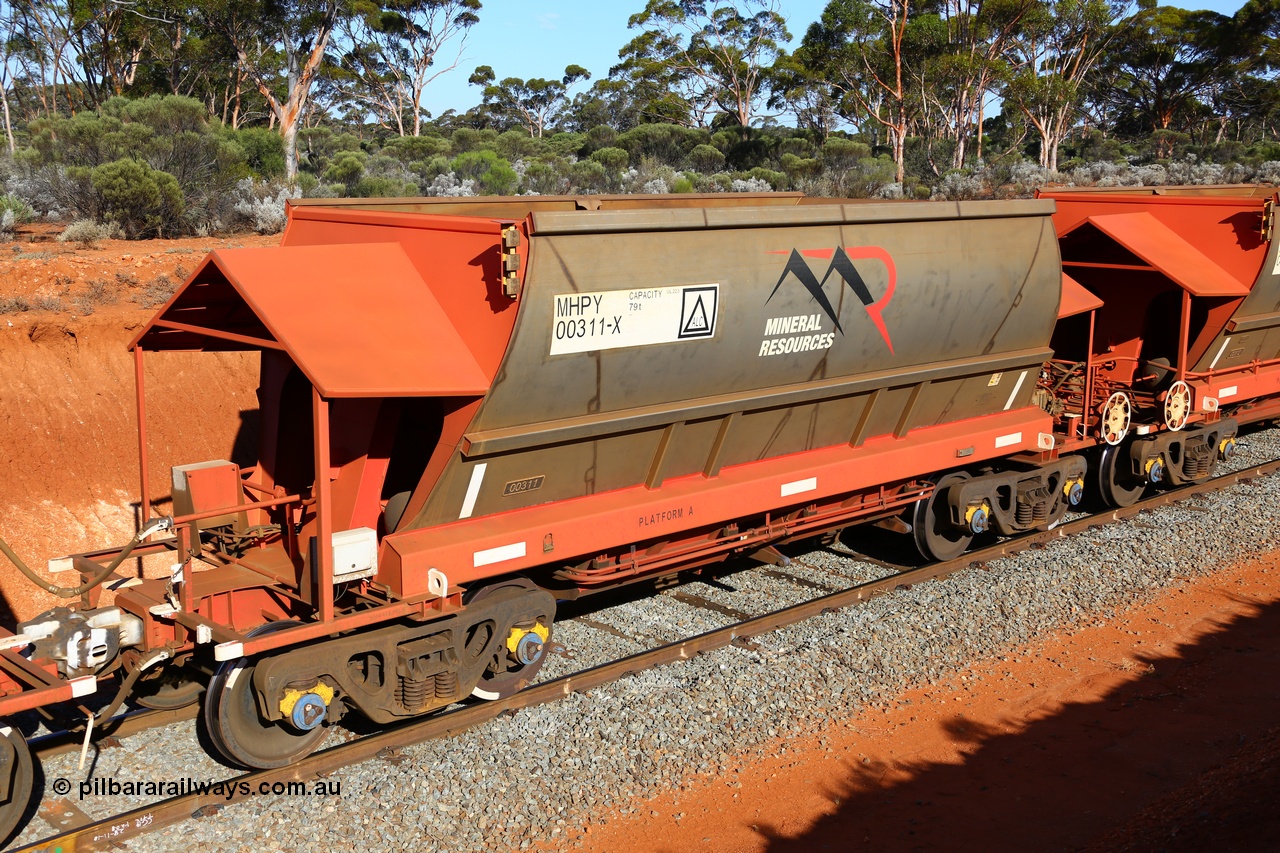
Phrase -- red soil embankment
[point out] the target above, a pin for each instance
(68, 425)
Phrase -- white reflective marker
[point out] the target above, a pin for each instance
(85, 686)
(499, 554)
(1017, 386)
(228, 651)
(473, 490)
(799, 487)
(1011, 438)
(1221, 350)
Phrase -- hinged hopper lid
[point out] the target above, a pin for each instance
(356, 318)
(1158, 246)
(1076, 299)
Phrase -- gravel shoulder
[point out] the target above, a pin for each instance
(1151, 731)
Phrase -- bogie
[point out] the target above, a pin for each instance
(964, 505)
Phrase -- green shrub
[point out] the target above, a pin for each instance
(13, 212)
(599, 137)
(587, 176)
(408, 149)
(466, 139)
(167, 134)
(263, 151)
(613, 159)
(141, 200)
(492, 174)
(666, 143)
(777, 180)
(840, 154)
(797, 146)
(706, 158)
(381, 186)
(547, 176)
(563, 144)
(518, 145)
(307, 184)
(347, 168)
(800, 168)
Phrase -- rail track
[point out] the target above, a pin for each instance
(79, 832)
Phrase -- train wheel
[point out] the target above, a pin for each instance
(167, 689)
(17, 778)
(518, 659)
(239, 731)
(936, 537)
(1115, 486)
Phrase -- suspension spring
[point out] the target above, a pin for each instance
(412, 694)
(1041, 511)
(1194, 467)
(446, 685)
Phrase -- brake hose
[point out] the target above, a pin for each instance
(156, 526)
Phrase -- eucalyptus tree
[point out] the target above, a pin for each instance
(393, 49)
(864, 49)
(806, 94)
(1056, 49)
(536, 103)
(978, 33)
(715, 56)
(1165, 66)
(280, 45)
(623, 103)
(43, 38)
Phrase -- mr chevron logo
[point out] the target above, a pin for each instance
(841, 260)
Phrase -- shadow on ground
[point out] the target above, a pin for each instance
(1185, 758)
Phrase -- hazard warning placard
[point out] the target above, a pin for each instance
(609, 319)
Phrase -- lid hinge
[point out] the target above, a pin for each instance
(510, 262)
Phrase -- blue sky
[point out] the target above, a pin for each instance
(538, 38)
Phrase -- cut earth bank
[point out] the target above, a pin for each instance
(68, 421)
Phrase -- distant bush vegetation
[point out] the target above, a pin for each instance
(160, 166)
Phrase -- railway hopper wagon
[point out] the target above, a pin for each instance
(471, 410)
(1171, 330)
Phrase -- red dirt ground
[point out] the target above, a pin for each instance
(68, 435)
(1157, 730)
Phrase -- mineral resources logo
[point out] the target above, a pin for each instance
(841, 264)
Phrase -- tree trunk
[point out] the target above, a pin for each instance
(982, 103)
(1051, 139)
(8, 126)
(899, 153)
(289, 134)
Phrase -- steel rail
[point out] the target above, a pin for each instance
(121, 725)
(106, 833)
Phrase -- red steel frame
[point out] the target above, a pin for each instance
(1192, 217)
(848, 483)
